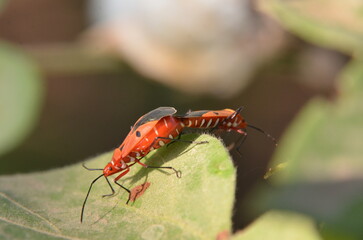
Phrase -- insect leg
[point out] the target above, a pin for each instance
(175, 140)
(116, 179)
(177, 172)
(180, 140)
(241, 140)
(113, 191)
(120, 176)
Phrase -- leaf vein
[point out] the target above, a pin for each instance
(30, 211)
(38, 230)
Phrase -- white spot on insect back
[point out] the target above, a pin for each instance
(201, 124)
(209, 122)
(161, 143)
(165, 122)
(132, 159)
(177, 131)
(229, 124)
(189, 123)
(182, 124)
(235, 124)
(216, 123)
(123, 164)
(170, 136)
(156, 131)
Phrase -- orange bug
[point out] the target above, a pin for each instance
(158, 128)
(226, 119)
(151, 131)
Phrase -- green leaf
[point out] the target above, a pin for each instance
(280, 225)
(323, 152)
(21, 92)
(2, 4)
(324, 142)
(196, 206)
(331, 23)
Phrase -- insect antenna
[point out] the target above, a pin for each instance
(89, 190)
(238, 111)
(91, 169)
(265, 133)
(232, 116)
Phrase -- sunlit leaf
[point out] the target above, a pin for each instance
(198, 205)
(280, 225)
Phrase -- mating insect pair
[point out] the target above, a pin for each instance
(158, 128)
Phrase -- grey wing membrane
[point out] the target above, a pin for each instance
(153, 115)
(192, 114)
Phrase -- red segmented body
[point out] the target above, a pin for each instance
(226, 119)
(160, 127)
(151, 131)
(143, 138)
(141, 141)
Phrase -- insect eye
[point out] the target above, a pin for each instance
(110, 168)
(138, 134)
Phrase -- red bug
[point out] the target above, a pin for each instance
(151, 131)
(159, 127)
(226, 119)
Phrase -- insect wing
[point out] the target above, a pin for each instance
(192, 114)
(208, 113)
(134, 137)
(153, 115)
(142, 126)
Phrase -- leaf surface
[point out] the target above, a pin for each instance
(322, 151)
(280, 225)
(196, 206)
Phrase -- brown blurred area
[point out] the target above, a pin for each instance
(86, 114)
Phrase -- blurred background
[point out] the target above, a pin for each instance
(76, 74)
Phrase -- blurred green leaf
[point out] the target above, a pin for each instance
(323, 153)
(198, 205)
(20, 96)
(2, 4)
(280, 225)
(331, 23)
(325, 140)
